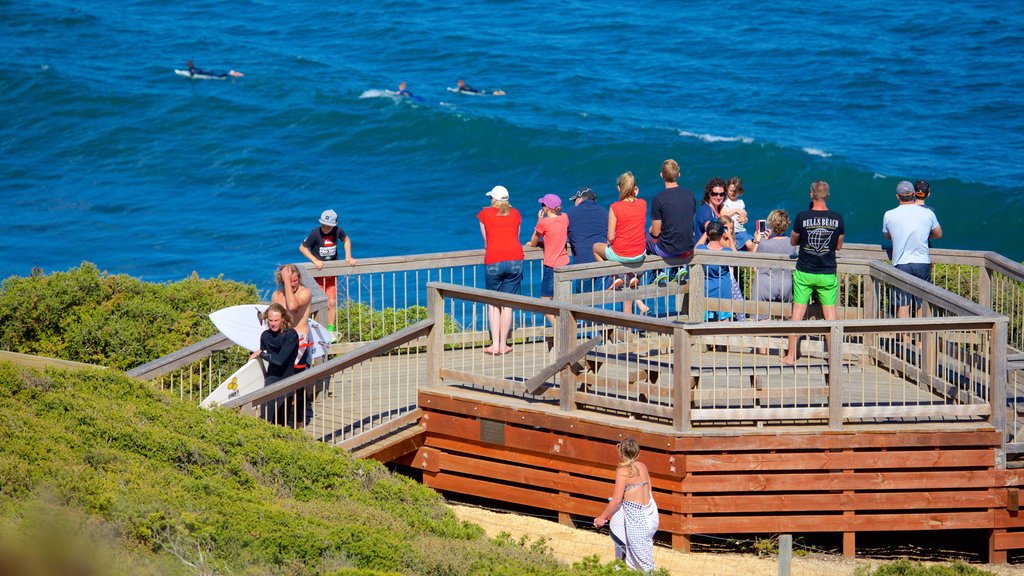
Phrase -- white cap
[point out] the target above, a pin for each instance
(329, 218)
(499, 193)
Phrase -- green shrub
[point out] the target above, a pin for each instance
(110, 320)
(170, 488)
(358, 322)
(904, 567)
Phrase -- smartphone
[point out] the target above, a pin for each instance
(762, 226)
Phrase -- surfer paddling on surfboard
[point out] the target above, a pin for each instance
(464, 88)
(199, 73)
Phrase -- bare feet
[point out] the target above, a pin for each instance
(491, 350)
(789, 360)
(506, 350)
(643, 308)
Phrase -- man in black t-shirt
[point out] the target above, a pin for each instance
(321, 245)
(819, 234)
(672, 212)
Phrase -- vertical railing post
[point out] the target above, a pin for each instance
(869, 299)
(997, 382)
(682, 382)
(435, 338)
(565, 341)
(563, 288)
(835, 377)
(697, 303)
(985, 286)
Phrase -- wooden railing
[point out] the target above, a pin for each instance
(681, 374)
(958, 344)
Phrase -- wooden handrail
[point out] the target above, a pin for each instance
(166, 364)
(332, 366)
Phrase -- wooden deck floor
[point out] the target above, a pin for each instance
(727, 376)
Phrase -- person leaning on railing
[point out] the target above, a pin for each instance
(503, 263)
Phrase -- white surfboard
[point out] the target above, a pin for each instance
(188, 74)
(242, 325)
(320, 337)
(246, 379)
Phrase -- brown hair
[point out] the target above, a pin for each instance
(778, 221)
(670, 170)
(711, 185)
(735, 181)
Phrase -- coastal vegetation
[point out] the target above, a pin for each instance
(103, 474)
(112, 320)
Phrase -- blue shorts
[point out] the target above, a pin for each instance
(505, 276)
(610, 254)
(742, 237)
(547, 282)
(921, 270)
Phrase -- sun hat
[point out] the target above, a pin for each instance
(329, 218)
(551, 201)
(499, 193)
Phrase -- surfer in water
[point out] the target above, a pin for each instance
(463, 87)
(193, 72)
(402, 90)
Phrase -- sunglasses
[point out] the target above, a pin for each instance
(717, 194)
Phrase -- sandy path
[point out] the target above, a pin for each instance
(570, 545)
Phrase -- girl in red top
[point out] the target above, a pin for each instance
(503, 262)
(627, 242)
(627, 239)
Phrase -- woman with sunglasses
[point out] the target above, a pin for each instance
(710, 206)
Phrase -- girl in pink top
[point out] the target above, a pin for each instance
(553, 227)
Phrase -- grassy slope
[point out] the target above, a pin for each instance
(95, 461)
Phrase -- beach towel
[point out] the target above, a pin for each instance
(632, 528)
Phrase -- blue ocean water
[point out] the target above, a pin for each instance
(107, 156)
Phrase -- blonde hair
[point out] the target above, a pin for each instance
(670, 170)
(819, 190)
(503, 206)
(286, 318)
(778, 221)
(277, 275)
(627, 185)
(629, 451)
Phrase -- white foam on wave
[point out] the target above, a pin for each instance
(715, 138)
(817, 152)
(877, 176)
(378, 94)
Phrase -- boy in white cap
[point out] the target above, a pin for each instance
(321, 245)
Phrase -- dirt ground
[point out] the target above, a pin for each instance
(571, 544)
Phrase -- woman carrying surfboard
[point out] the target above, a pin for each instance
(279, 345)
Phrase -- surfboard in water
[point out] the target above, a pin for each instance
(187, 74)
(248, 378)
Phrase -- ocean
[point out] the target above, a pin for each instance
(107, 156)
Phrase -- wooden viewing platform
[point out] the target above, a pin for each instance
(885, 424)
